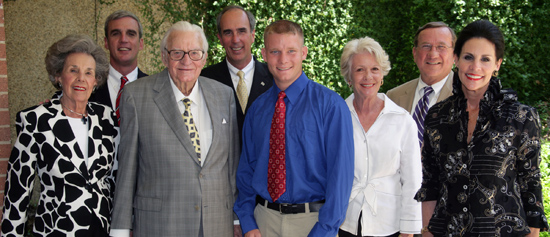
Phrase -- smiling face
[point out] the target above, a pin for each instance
(476, 64)
(236, 37)
(434, 65)
(284, 54)
(123, 42)
(366, 75)
(77, 78)
(184, 71)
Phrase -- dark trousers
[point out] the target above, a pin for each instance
(343, 233)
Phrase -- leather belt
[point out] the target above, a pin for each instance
(285, 208)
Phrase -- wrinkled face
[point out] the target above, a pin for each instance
(236, 37)
(284, 54)
(78, 77)
(184, 70)
(366, 75)
(476, 64)
(434, 64)
(123, 41)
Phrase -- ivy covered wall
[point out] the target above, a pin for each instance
(329, 24)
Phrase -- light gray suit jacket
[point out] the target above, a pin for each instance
(403, 95)
(160, 182)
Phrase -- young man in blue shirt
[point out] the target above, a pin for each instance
(296, 168)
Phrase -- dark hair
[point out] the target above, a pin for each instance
(251, 19)
(121, 14)
(481, 29)
(434, 24)
(58, 52)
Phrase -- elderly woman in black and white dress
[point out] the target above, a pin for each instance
(387, 156)
(70, 144)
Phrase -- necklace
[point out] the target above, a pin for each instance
(84, 118)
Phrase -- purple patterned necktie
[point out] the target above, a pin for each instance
(420, 112)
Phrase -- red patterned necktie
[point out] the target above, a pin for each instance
(276, 172)
(123, 81)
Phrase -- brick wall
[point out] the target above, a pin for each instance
(5, 139)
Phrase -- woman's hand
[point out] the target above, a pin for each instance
(534, 232)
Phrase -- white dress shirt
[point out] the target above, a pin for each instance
(201, 117)
(388, 172)
(113, 82)
(248, 75)
(419, 92)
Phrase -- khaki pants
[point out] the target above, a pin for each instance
(274, 224)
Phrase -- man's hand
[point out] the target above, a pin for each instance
(253, 233)
(237, 231)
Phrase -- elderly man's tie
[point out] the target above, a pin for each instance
(190, 124)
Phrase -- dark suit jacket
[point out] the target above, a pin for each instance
(101, 94)
(262, 81)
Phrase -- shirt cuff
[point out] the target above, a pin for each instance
(120, 233)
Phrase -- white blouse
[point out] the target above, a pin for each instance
(388, 172)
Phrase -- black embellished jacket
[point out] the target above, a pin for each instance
(490, 186)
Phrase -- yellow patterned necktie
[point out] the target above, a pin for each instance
(242, 92)
(191, 128)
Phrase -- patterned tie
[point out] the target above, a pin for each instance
(242, 92)
(190, 124)
(420, 112)
(123, 81)
(276, 173)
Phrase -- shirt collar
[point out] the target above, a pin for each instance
(389, 105)
(436, 86)
(132, 76)
(295, 89)
(194, 96)
(247, 69)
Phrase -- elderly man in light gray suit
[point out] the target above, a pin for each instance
(179, 147)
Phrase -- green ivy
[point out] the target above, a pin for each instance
(329, 24)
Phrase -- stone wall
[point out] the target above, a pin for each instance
(31, 26)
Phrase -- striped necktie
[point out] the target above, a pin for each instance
(123, 81)
(420, 112)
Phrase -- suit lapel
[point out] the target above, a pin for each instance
(447, 89)
(164, 99)
(215, 111)
(260, 83)
(407, 97)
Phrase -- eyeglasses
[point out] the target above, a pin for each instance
(177, 55)
(440, 48)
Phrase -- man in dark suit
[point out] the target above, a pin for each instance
(123, 39)
(179, 147)
(236, 32)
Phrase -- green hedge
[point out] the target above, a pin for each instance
(329, 24)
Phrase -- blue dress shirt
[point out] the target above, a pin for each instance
(319, 154)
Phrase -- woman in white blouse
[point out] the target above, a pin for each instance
(387, 156)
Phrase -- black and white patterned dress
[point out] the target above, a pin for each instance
(75, 199)
(490, 186)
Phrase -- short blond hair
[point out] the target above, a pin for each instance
(363, 45)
